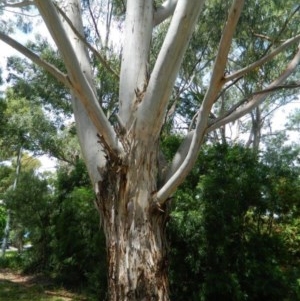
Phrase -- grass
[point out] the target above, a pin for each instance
(10, 291)
(14, 286)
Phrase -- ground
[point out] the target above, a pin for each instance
(15, 286)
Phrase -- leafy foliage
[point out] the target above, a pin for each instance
(62, 226)
(77, 242)
(226, 242)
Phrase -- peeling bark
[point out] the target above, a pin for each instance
(134, 226)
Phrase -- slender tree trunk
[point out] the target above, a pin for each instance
(134, 227)
(255, 134)
(6, 233)
(5, 240)
(257, 125)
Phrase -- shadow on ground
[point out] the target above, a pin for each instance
(31, 288)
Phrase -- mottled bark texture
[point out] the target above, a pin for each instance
(134, 226)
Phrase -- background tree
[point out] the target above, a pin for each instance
(20, 122)
(122, 153)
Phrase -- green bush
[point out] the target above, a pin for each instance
(225, 242)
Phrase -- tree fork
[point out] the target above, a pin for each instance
(134, 227)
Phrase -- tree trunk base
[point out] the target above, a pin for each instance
(134, 229)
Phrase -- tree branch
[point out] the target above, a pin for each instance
(180, 155)
(136, 49)
(17, 5)
(93, 20)
(258, 97)
(88, 45)
(60, 76)
(216, 83)
(292, 85)
(263, 60)
(77, 63)
(164, 11)
(166, 67)
(92, 150)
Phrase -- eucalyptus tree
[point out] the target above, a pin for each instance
(257, 32)
(132, 183)
(18, 125)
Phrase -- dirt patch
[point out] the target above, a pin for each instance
(29, 281)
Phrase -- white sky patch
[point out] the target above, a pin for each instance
(281, 115)
(48, 164)
(280, 118)
(5, 52)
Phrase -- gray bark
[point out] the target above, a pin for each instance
(134, 225)
(6, 233)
